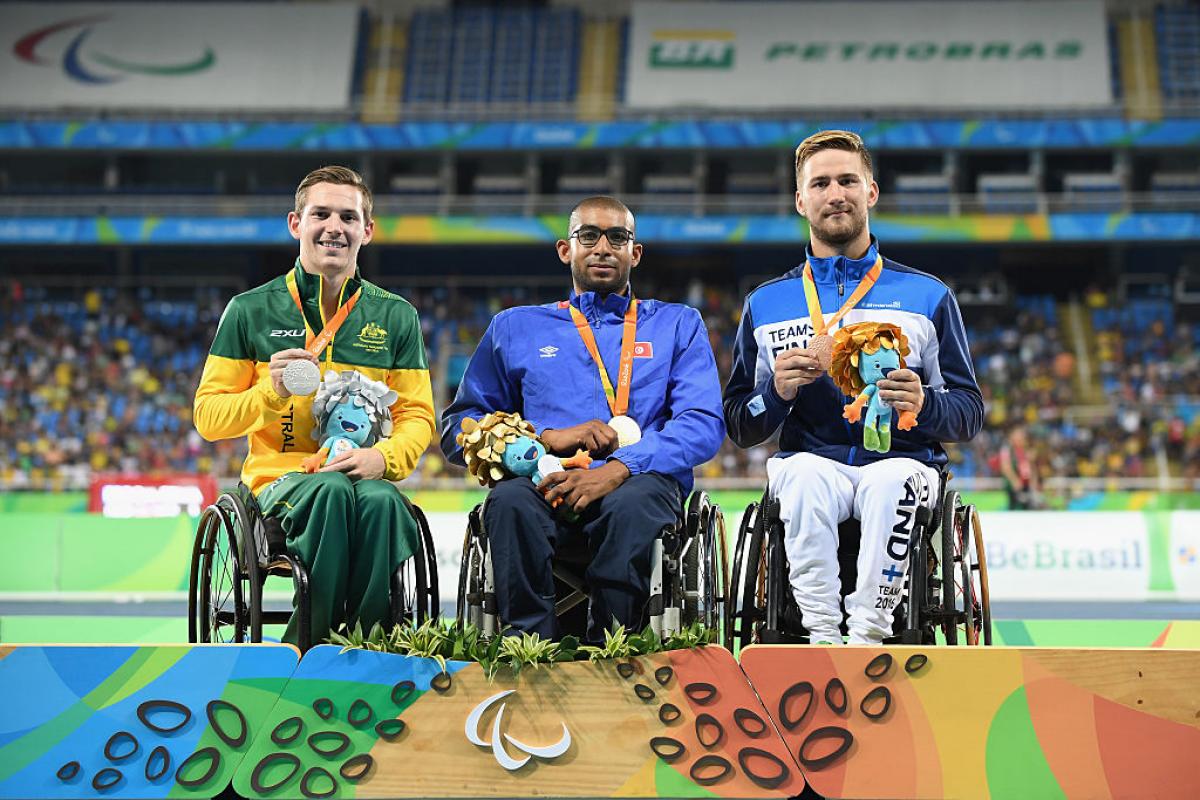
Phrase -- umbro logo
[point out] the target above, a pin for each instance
(549, 351)
(285, 332)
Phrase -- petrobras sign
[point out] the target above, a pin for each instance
(869, 55)
(177, 55)
(1093, 555)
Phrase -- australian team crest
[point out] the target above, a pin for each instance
(372, 337)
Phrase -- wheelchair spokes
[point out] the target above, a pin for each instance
(218, 616)
(703, 557)
(967, 613)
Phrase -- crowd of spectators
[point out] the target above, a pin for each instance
(101, 379)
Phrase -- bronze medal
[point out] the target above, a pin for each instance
(821, 345)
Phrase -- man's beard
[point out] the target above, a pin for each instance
(840, 236)
(588, 284)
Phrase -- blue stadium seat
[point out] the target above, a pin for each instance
(1177, 33)
(512, 66)
(472, 56)
(555, 65)
(428, 69)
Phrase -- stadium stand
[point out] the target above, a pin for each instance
(1177, 33)
(1064, 363)
(101, 379)
(476, 56)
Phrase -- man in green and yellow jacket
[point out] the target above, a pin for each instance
(345, 521)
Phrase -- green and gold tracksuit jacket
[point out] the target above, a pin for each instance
(380, 338)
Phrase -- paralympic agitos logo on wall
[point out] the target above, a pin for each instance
(66, 42)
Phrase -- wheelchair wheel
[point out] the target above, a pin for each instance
(414, 592)
(963, 599)
(747, 598)
(476, 600)
(978, 561)
(705, 584)
(217, 602)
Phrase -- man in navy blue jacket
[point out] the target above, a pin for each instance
(539, 362)
(822, 474)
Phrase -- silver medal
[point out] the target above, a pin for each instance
(301, 377)
(627, 430)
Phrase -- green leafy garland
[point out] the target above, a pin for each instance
(443, 640)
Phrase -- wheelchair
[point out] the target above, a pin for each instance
(688, 579)
(946, 590)
(237, 548)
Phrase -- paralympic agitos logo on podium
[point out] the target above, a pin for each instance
(87, 65)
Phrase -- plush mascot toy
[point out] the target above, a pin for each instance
(349, 411)
(863, 354)
(504, 445)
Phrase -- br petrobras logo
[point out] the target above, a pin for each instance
(85, 65)
(692, 49)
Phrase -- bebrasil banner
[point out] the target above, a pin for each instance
(868, 55)
(178, 55)
(1032, 555)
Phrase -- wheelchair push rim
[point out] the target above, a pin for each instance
(979, 565)
(746, 598)
(704, 580)
(967, 617)
(217, 599)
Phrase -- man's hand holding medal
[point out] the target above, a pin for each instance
(800, 366)
(795, 368)
(294, 372)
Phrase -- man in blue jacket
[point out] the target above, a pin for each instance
(643, 365)
(822, 474)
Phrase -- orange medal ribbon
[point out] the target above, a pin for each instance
(315, 343)
(618, 402)
(814, 302)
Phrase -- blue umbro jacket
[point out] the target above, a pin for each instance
(775, 318)
(532, 360)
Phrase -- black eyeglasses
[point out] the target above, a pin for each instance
(589, 236)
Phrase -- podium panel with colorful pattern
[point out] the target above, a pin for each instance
(365, 724)
(112, 721)
(904, 722)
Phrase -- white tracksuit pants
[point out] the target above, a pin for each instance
(816, 494)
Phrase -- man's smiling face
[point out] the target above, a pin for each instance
(331, 228)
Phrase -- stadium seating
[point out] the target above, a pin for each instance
(477, 56)
(1177, 33)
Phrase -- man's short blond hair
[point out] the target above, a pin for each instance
(832, 140)
(342, 176)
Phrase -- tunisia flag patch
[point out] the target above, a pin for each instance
(643, 349)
